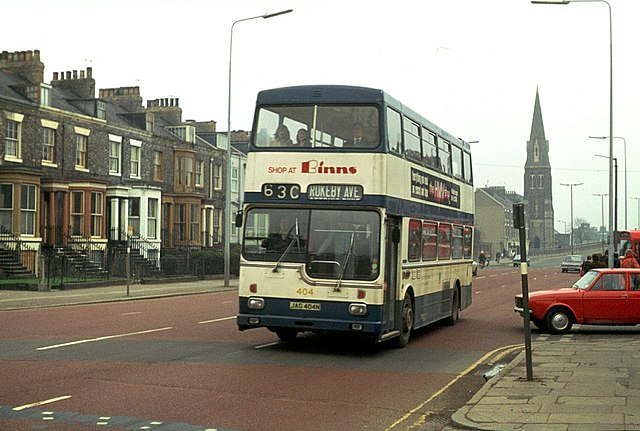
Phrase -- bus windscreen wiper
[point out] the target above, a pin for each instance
(294, 240)
(346, 260)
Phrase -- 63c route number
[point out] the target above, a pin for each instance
(281, 191)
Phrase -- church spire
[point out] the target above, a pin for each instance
(538, 146)
(538, 184)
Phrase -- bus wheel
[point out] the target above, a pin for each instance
(286, 334)
(455, 309)
(407, 322)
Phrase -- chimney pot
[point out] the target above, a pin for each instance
(82, 74)
(55, 76)
(89, 72)
(68, 72)
(75, 74)
(176, 101)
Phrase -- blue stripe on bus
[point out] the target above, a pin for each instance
(393, 205)
(332, 316)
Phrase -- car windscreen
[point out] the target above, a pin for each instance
(586, 280)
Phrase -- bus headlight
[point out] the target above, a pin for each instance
(358, 309)
(255, 303)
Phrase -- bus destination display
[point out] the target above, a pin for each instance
(334, 192)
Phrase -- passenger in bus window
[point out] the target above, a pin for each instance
(302, 138)
(282, 137)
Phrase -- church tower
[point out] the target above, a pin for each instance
(537, 184)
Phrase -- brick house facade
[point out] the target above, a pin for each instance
(76, 169)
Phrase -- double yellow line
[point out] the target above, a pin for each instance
(499, 352)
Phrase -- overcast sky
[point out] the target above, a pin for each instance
(470, 66)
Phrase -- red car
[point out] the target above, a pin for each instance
(601, 297)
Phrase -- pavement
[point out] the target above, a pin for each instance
(578, 382)
(16, 299)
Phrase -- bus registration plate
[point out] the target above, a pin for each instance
(309, 306)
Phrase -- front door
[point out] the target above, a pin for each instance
(390, 273)
(607, 301)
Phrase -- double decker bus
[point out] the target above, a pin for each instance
(628, 239)
(365, 227)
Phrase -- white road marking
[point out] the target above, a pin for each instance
(107, 337)
(40, 403)
(216, 320)
(132, 313)
(262, 346)
(228, 302)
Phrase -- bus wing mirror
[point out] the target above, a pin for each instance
(239, 219)
(395, 235)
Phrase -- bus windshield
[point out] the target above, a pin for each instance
(317, 126)
(334, 244)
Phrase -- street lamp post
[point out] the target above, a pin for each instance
(602, 195)
(615, 190)
(565, 225)
(227, 200)
(564, 232)
(626, 199)
(571, 233)
(611, 231)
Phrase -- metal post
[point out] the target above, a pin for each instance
(602, 195)
(571, 233)
(128, 268)
(519, 223)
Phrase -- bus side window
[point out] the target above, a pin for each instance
(394, 131)
(444, 241)
(415, 240)
(635, 282)
(429, 241)
(468, 236)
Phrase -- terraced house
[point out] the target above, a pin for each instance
(85, 177)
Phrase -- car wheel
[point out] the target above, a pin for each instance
(407, 322)
(558, 321)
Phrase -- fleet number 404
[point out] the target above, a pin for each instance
(303, 291)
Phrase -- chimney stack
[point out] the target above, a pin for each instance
(84, 86)
(168, 109)
(127, 98)
(27, 64)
